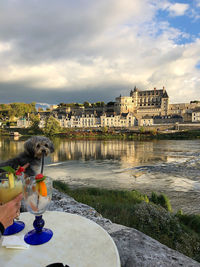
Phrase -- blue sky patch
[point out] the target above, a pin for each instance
(198, 65)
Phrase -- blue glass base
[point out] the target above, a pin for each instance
(16, 227)
(35, 238)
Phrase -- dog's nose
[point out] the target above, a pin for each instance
(43, 151)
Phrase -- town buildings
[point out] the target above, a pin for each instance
(140, 108)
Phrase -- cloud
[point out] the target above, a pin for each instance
(57, 50)
(4, 46)
(178, 9)
(195, 10)
(197, 3)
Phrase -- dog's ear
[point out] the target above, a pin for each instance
(29, 147)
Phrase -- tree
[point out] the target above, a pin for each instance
(77, 105)
(86, 104)
(35, 121)
(52, 126)
(110, 103)
(98, 104)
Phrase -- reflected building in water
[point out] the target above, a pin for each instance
(127, 152)
(10, 148)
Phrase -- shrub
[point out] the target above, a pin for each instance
(61, 186)
(164, 202)
(191, 220)
(154, 198)
(161, 200)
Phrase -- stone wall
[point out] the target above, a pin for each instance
(135, 248)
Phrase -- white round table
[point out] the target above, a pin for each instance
(76, 241)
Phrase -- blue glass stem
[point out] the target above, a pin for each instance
(39, 235)
(38, 224)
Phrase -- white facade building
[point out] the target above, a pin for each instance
(87, 121)
(23, 123)
(196, 115)
(123, 120)
(146, 121)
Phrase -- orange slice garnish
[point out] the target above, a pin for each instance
(42, 189)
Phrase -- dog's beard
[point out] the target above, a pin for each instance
(39, 152)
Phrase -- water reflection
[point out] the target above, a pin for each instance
(126, 152)
(9, 147)
(165, 166)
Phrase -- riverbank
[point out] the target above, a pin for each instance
(139, 133)
(133, 209)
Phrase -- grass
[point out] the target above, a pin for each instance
(152, 216)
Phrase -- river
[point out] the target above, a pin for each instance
(164, 166)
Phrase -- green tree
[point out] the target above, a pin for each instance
(19, 109)
(98, 104)
(109, 103)
(86, 104)
(35, 121)
(52, 126)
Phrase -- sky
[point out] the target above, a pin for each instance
(54, 51)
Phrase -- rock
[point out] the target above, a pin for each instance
(135, 248)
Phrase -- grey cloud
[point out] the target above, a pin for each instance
(49, 30)
(85, 42)
(19, 93)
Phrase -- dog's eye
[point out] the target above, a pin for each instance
(46, 145)
(38, 146)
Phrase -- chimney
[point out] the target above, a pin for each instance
(154, 90)
(163, 89)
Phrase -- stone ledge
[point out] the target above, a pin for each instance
(135, 248)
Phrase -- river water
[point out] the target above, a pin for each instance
(164, 166)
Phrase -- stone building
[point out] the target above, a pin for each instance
(196, 115)
(149, 102)
(122, 120)
(87, 121)
(184, 109)
(146, 121)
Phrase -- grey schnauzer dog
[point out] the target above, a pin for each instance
(34, 149)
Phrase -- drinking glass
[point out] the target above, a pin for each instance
(9, 189)
(37, 196)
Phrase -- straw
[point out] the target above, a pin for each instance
(42, 165)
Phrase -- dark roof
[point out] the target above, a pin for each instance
(147, 117)
(124, 114)
(196, 109)
(161, 92)
(165, 94)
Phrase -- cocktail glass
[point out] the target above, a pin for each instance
(9, 189)
(37, 198)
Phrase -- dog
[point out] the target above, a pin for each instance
(34, 149)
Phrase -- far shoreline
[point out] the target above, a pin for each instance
(141, 133)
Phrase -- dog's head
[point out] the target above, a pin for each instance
(36, 146)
